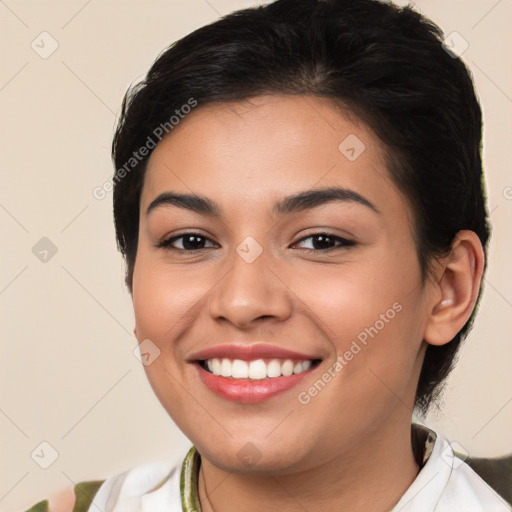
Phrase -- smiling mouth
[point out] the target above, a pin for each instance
(257, 369)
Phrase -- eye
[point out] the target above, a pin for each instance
(325, 240)
(191, 242)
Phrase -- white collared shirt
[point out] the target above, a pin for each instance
(445, 483)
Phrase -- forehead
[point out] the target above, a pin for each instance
(263, 147)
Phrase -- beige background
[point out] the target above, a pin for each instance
(68, 373)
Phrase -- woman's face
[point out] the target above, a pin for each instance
(258, 272)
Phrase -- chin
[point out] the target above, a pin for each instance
(252, 455)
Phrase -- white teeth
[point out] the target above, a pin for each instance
(225, 368)
(257, 370)
(215, 366)
(239, 369)
(274, 368)
(287, 368)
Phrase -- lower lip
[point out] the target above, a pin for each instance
(249, 391)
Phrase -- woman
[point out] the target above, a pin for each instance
(298, 196)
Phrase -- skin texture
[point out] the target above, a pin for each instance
(354, 435)
(63, 501)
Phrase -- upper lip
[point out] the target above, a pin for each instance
(249, 352)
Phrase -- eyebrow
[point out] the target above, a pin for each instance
(295, 203)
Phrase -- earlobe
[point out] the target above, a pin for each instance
(460, 276)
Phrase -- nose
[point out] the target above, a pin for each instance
(251, 292)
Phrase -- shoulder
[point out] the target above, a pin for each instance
(448, 483)
(468, 485)
(77, 499)
(152, 486)
(496, 471)
(155, 484)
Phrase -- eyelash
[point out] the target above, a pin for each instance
(344, 243)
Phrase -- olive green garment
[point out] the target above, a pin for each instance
(497, 472)
(84, 494)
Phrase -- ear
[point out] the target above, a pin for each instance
(457, 284)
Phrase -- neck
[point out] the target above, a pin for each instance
(383, 464)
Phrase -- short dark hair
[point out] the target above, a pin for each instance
(386, 64)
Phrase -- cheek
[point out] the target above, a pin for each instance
(348, 299)
(372, 314)
(163, 303)
(163, 299)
